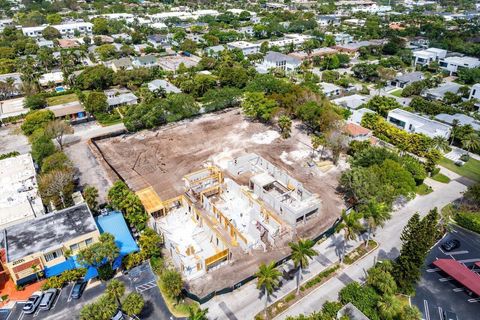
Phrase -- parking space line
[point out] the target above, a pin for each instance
(473, 300)
(21, 316)
(458, 289)
(433, 270)
(70, 295)
(469, 260)
(440, 313)
(427, 312)
(445, 279)
(58, 298)
(458, 252)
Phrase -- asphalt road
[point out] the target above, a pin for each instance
(140, 279)
(435, 295)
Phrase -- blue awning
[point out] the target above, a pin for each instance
(115, 224)
(57, 269)
(91, 273)
(117, 263)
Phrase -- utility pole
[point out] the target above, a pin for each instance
(1, 112)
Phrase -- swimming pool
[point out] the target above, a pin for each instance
(59, 89)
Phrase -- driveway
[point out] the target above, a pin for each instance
(434, 293)
(140, 279)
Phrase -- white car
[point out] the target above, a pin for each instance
(32, 303)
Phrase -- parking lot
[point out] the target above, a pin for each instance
(139, 279)
(436, 292)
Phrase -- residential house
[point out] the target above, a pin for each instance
(45, 43)
(414, 123)
(244, 46)
(453, 64)
(159, 40)
(352, 102)
(408, 78)
(330, 89)
(356, 132)
(43, 242)
(354, 47)
(319, 52)
(146, 61)
(343, 38)
(424, 57)
(51, 78)
(214, 51)
(328, 20)
(120, 97)
(439, 92)
(357, 115)
(277, 60)
(121, 64)
(72, 112)
(475, 94)
(461, 118)
(164, 85)
(248, 31)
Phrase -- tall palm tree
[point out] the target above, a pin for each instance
(116, 289)
(350, 226)
(302, 251)
(440, 143)
(197, 314)
(389, 307)
(471, 142)
(268, 279)
(455, 123)
(376, 213)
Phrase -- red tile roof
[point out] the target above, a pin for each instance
(355, 130)
(460, 273)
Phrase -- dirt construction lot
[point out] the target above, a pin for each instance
(162, 157)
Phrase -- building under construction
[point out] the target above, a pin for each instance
(218, 219)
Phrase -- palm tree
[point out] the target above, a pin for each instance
(116, 289)
(197, 314)
(389, 307)
(376, 213)
(302, 251)
(268, 279)
(440, 143)
(351, 226)
(471, 142)
(454, 129)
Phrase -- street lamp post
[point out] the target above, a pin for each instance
(1, 112)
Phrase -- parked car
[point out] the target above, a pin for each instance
(448, 315)
(450, 245)
(32, 303)
(78, 288)
(118, 316)
(48, 299)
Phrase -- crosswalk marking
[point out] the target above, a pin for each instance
(146, 286)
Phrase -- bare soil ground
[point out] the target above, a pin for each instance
(161, 158)
(12, 139)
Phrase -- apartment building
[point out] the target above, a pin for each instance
(424, 57)
(66, 30)
(36, 245)
(19, 197)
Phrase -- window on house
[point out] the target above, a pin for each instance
(53, 255)
(74, 247)
(88, 241)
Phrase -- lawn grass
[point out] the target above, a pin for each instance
(471, 169)
(397, 93)
(66, 98)
(423, 189)
(441, 178)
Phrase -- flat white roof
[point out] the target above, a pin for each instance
(19, 198)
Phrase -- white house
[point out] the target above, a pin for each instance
(66, 30)
(414, 123)
(343, 38)
(163, 84)
(330, 89)
(120, 97)
(245, 46)
(328, 20)
(424, 57)
(439, 92)
(277, 60)
(475, 92)
(453, 64)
